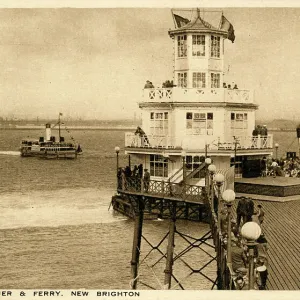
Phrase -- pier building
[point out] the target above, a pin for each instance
(199, 116)
(190, 133)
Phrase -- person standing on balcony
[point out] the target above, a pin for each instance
(140, 170)
(146, 180)
(255, 131)
(148, 85)
(139, 131)
(264, 131)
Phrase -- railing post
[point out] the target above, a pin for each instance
(170, 249)
(123, 181)
(163, 187)
(142, 185)
(138, 226)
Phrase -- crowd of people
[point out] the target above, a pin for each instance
(260, 130)
(246, 212)
(286, 167)
(135, 177)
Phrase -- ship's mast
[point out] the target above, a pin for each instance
(59, 126)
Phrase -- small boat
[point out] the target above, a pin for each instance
(48, 147)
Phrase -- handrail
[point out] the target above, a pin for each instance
(175, 174)
(190, 175)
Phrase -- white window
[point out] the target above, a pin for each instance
(159, 124)
(215, 80)
(181, 46)
(198, 45)
(199, 80)
(239, 123)
(199, 123)
(158, 166)
(182, 79)
(215, 46)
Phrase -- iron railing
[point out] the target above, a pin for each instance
(169, 142)
(162, 189)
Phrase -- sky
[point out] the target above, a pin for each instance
(92, 63)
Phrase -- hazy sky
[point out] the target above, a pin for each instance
(93, 63)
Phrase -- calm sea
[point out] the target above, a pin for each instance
(56, 230)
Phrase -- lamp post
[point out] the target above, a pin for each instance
(276, 149)
(229, 197)
(207, 163)
(219, 178)
(251, 232)
(183, 155)
(117, 149)
(212, 170)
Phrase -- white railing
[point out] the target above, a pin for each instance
(196, 143)
(247, 142)
(176, 94)
(137, 141)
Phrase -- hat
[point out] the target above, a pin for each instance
(265, 125)
(261, 268)
(146, 169)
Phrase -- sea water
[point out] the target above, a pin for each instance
(56, 229)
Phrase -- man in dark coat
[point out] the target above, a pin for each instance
(241, 212)
(146, 180)
(249, 209)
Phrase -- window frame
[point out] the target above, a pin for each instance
(198, 40)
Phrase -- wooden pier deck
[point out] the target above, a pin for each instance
(283, 235)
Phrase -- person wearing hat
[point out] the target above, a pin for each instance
(146, 180)
(263, 273)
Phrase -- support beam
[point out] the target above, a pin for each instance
(170, 248)
(138, 226)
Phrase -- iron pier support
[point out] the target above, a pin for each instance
(138, 227)
(170, 249)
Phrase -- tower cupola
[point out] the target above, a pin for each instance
(198, 53)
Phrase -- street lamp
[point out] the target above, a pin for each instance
(183, 155)
(212, 170)
(117, 150)
(207, 163)
(276, 149)
(229, 197)
(219, 178)
(251, 232)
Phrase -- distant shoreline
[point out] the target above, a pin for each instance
(118, 128)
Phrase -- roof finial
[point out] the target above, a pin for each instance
(198, 12)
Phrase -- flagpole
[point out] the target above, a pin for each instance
(221, 20)
(173, 18)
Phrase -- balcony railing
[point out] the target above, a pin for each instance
(137, 141)
(247, 142)
(162, 189)
(171, 142)
(177, 94)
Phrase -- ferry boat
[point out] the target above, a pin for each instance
(200, 116)
(48, 147)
